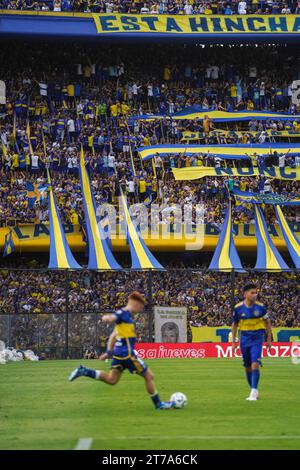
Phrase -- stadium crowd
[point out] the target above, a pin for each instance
(45, 120)
(42, 298)
(50, 111)
(171, 7)
(212, 193)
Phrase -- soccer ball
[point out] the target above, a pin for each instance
(179, 399)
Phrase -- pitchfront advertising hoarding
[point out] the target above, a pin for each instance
(206, 350)
(220, 334)
(170, 324)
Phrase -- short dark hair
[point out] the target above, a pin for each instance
(249, 287)
(170, 325)
(135, 295)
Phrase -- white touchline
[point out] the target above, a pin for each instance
(84, 444)
(201, 438)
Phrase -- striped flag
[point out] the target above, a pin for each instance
(60, 253)
(226, 257)
(268, 257)
(9, 246)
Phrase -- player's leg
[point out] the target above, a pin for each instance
(246, 353)
(150, 387)
(137, 366)
(111, 378)
(248, 371)
(256, 352)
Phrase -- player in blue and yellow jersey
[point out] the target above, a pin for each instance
(120, 348)
(252, 320)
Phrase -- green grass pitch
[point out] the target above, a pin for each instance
(40, 409)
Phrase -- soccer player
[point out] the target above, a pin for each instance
(251, 318)
(120, 348)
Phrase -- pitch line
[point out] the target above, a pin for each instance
(84, 444)
(200, 438)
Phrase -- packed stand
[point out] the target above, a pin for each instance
(175, 7)
(37, 301)
(91, 102)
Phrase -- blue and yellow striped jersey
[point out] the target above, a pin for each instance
(125, 332)
(250, 319)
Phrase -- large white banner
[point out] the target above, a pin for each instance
(2, 92)
(170, 324)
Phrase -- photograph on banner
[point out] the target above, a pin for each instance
(170, 324)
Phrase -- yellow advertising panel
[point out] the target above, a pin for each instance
(28, 238)
(198, 172)
(210, 334)
(196, 24)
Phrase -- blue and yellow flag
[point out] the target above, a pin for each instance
(9, 246)
(196, 172)
(148, 200)
(60, 254)
(141, 257)
(268, 198)
(100, 254)
(268, 257)
(226, 257)
(226, 152)
(190, 136)
(199, 114)
(32, 194)
(28, 135)
(291, 240)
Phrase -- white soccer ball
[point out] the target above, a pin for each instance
(179, 399)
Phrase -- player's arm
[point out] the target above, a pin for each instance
(110, 318)
(234, 331)
(110, 346)
(268, 331)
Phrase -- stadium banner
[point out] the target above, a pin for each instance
(195, 112)
(35, 237)
(205, 350)
(100, 254)
(209, 27)
(212, 334)
(291, 240)
(141, 257)
(226, 257)
(228, 151)
(269, 198)
(198, 172)
(188, 136)
(268, 257)
(195, 24)
(61, 256)
(170, 324)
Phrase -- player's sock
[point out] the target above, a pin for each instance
(249, 377)
(93, 374)
(255, 378)
(155, 399)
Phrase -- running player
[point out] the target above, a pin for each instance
(120, 348)
(251, 318)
